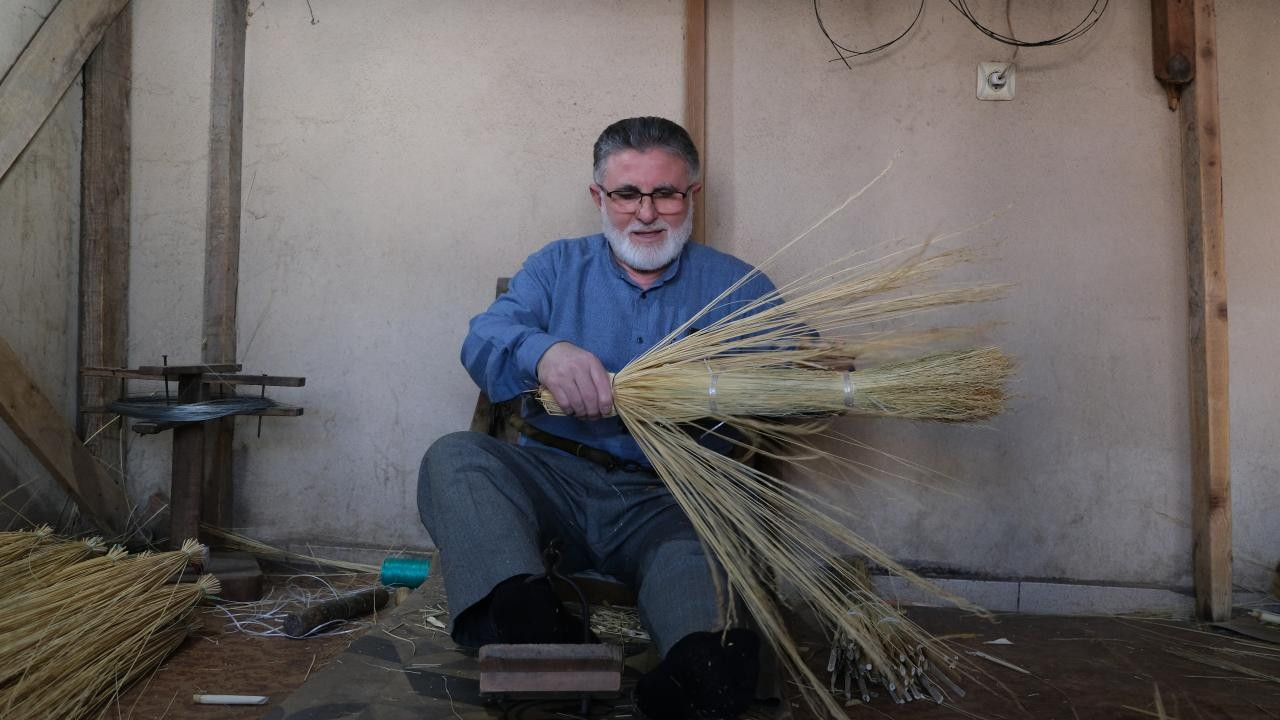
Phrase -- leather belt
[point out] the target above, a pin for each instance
(607, 460)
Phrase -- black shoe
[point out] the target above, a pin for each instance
(702, 678)
(526, 609)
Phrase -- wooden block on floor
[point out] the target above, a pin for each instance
(532, 670)
(237, 572)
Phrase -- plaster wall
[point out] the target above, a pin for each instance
(39, 251)
(1249, 84)
(398, 157)
(1086, 478)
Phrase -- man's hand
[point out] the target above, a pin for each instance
(577, 380)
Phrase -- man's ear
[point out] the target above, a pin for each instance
(695, 189)
(596, 196)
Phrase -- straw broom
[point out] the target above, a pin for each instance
(71, 641)
(268, 552)
(77, 594)
(81, 669)
(775, 369)
(28, 568)
(14, 545)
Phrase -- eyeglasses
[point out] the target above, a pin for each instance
(665, 200)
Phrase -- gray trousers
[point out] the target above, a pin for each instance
(492, 506)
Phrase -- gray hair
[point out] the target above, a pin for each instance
(645, 133)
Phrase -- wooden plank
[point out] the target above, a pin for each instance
(208, 378)
(261, 380)
(104, 233)
(222, 229)
(117, 373)
(1173, 40)
(175, 370)
(1173, 45)
(695, 97)
(222, 236)
(1207, 329)
(46, 68)
(36, 422)
(186, 482)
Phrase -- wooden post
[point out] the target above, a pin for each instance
(1173, 45)
(695, 96)
(37, 423)
(104, 232)
(222, 236)
(1207, 299)
(46, 68)
(186, 486)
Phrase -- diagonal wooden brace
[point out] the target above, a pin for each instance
(37, 423)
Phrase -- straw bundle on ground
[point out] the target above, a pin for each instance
(17, 544)
(769, 375)
(27, 569)
(71, 642)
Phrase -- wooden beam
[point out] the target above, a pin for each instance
(46, 68)
(1173, 45)
(36, 422)
(1207, 330)
(222, 229)
(222, 237)
(208, 378)
(163, 371)
(104, 233)
(187, 479)
(695, 96)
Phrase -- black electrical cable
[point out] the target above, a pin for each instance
(1082, 27)
(962, 6)
(846, 53)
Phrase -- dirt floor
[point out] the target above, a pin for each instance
(218, 660)
(1043, 667)
(1098, 667)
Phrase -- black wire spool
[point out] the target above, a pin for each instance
(158, 409)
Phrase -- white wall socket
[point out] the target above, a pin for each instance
(995, 80)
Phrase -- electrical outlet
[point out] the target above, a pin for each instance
(995, 80)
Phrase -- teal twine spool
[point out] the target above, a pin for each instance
(405, 571)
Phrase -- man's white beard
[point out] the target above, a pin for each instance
(646, 258)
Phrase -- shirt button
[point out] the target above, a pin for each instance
(644, 295)
(639, 341)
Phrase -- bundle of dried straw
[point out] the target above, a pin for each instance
(83, 624)
(768, 377)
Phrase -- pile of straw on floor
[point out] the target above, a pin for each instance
(769, 377)
(80, 622)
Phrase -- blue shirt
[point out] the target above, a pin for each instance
(572, 290)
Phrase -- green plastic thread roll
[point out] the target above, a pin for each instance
(405, 571)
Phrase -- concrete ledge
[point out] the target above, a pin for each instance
(1068, 599)
(995, 595)
(1053, 598)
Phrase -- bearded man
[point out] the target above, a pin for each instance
(578, 310)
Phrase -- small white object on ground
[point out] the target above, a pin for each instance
(999, 641)
(229, 699)
(998, 661)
